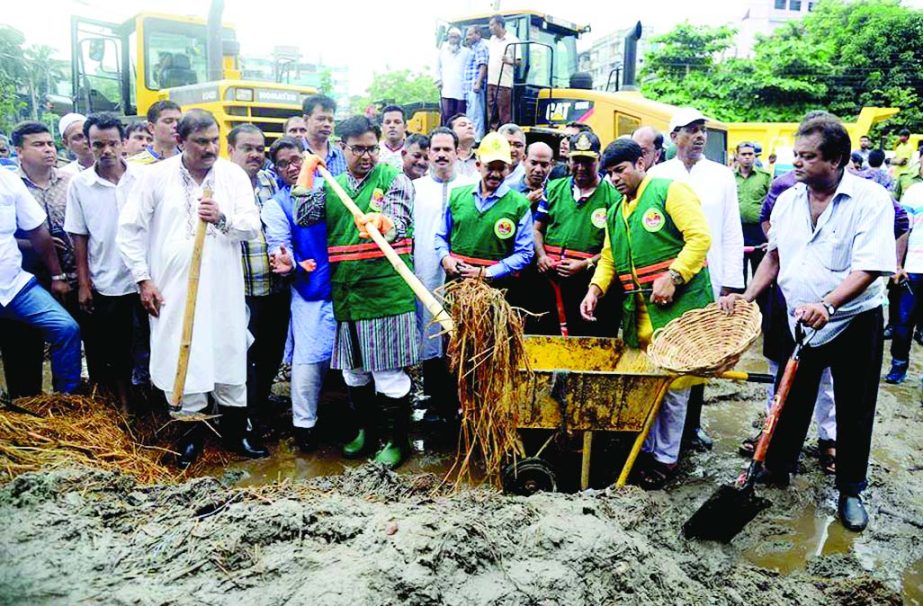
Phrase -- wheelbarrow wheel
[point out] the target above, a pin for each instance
(528, 476)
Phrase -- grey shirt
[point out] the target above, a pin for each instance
(854, 233)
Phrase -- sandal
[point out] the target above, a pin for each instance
(748, 446)
(655, 475)
(826, 454)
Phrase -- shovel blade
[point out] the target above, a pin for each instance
(724, 514)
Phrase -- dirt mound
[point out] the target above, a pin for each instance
(371, 537)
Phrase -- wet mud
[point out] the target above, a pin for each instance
(315, 529)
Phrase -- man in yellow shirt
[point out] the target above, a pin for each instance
(902, 154)
(656, 242)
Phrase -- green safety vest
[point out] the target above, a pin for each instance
(364, 285)
(648, 242)
(577, 231)
(483, 238)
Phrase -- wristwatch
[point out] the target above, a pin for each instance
(222, 224)
(676, 277)
(59, 278)
(830, 308)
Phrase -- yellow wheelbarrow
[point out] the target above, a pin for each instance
(587, 384)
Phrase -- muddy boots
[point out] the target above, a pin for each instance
(190, 446)
(363, 404)
(395, 413)
(237, 434)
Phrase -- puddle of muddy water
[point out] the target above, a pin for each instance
(913, 585)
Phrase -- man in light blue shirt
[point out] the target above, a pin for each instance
(830, 242)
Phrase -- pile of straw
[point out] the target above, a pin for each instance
(487, 355)
(79, 430)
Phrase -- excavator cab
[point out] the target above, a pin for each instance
(123, 67)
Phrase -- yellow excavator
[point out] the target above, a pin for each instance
(549, 91)
(126, 67)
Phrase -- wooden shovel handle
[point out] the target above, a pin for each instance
(425, 296)
(778, 403)
(192, 291)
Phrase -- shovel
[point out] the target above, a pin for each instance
(732, 507)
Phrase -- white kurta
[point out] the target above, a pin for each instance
(430, 201)
(155, 237)
(715, 185)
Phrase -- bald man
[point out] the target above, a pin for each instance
(651, 143)
(538, 164)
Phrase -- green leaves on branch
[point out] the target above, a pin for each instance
(840, 57)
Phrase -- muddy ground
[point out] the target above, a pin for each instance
(315, 530)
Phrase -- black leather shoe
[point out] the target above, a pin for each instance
(306, 438)
(698, 440)
(852, 513)
(770, 478)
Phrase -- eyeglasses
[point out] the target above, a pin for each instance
(362, 149)
(284, 164)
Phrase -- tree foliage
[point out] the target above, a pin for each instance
(27, 75)
(840, 57)
(401, 87)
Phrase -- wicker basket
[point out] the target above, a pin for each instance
(705, 341)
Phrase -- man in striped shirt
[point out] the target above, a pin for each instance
(374, 308)
(830, 240)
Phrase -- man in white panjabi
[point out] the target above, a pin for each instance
(431, 197)
(156, 233)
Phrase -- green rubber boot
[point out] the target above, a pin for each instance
(396, 415)
(363, 404)
(356, 446)
(392, 455)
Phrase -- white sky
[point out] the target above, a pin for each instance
(366, 36)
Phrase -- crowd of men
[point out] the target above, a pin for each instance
(614, 241)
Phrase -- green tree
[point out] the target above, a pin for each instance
(401, 87)
(840, 57)
(325, 81)
(12, 74)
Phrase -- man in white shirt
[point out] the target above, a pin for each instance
(106, 292)
(466, 164)
(831, 239)
(157, 227)
(501, 65)
(394, 135)
(22, 299)
(716, 187)
(71, 128)
(450, 75)
(432, 196)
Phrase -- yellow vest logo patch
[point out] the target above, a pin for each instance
(377, 201)
(504, 228)
(653, 220)
(598, 218)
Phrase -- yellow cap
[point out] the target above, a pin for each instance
(494, 147)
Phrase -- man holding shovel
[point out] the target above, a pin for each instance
(375, 309)
(157, 231)
(831, 239)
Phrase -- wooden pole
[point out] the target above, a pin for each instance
(192, 290)
(425, 296)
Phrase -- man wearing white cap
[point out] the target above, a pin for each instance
(71, 128)
(716, 187)
(450, 74)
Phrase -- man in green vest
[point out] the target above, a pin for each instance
(569, 232)
(374, 308)
(487, 229)
(656, 242)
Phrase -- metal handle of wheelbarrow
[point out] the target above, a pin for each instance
(639, 291)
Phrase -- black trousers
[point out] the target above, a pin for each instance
(441, 386)
(753, 236)
(854, 358)
(269, 318)
(107, 338)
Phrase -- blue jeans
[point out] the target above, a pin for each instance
(33, 305)
(474, 108)
(907, 312)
